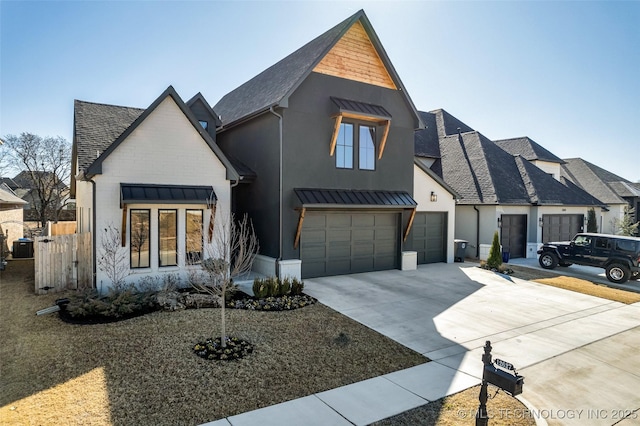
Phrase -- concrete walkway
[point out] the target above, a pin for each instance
(578, 353)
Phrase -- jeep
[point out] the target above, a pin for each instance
(618, 255)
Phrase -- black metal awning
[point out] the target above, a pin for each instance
(346, 198)
(361, 108)
(132, 193)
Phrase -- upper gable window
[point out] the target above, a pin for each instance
(360, 138)
(204, 124)
(355, 139)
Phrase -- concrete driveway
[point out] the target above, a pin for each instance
(578, 353)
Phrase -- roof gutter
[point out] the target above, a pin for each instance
(93, 227)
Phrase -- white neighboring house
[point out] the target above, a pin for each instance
(11, 215)
(151, 174)
(435, 215)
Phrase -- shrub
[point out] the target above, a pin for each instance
(260, 289)
(592, 221)
(274, 287)
(297, 287)
(285, 287)
(495, 255)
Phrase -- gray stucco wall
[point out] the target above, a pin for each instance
(308, 128)
(307, 131)
(255, 143)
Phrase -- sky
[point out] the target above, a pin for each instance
(566, 74)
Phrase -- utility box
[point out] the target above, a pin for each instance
(505, 380)
(460, 250)
(23, 248)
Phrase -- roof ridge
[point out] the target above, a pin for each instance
(107, 105)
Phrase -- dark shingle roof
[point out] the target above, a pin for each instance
(483, 173)
(274, 85)
(276, 82)
(96, 127)
(599, 182)
(426, 140)
(9, 182)
(99, 129)
(448, 125)
(527, 148)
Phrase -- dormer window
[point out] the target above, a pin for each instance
(354, 139)
(204, 124)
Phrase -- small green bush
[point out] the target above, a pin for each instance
(285, 287)
(495, 255)
(274, 287)
(260, 289)
(297, 287)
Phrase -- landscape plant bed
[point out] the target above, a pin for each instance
(271, 304)
(212, 349)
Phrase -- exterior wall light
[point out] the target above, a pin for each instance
(434, 197)
(540, 221)
(499, 221)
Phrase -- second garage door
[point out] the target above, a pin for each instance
(561, 227)
(335, 243)
(429, 237)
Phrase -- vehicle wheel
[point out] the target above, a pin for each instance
(548, 260)
(618, 273)
(565, 264)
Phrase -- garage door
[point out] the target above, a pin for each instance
(561, 227)
(334, 243)
(514, 234)
(429, 237)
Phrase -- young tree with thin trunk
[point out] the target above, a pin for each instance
(229, 255)
(112, 257)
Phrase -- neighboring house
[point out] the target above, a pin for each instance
(11, 215)
(499, 191)
(329, 133)
(30, 183)
(155, 174)
(614, 191)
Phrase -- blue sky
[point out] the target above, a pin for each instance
(566, 74)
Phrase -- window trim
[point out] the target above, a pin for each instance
(160, 212)
(131, 212)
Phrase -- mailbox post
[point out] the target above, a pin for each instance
(499, 373)
(482, 418)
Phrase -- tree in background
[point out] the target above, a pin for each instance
(46, 166)
(495, 255)
(626, 226)
(592, 222)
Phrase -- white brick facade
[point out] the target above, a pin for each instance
(164, 149)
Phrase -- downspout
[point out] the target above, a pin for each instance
(477, 232)
(272, 111)
(93, 227)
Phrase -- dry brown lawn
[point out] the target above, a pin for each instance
(575, 284)
(142, 371)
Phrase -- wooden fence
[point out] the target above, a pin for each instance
(62, 262)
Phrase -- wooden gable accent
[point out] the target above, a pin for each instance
(355, 58)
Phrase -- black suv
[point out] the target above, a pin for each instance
(620, 256)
